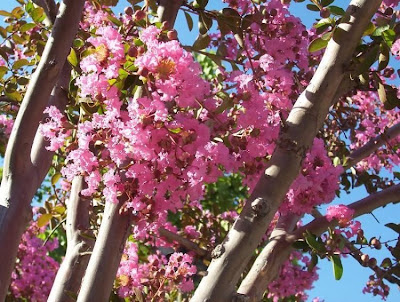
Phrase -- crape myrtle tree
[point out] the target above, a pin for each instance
(170, 172)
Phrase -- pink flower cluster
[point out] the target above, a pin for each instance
(293, 279)
(374, 120)
(54, 129)
(157, 275)
(315, 185)
(35, 270)
(6, 124)
(340, 212)
(391, 3)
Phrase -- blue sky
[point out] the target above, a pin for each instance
(350, 286)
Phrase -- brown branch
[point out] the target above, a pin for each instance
(373, 145)
(301, 127)
(19, 171)
(356, 254)
(79, 246)
(186, 243)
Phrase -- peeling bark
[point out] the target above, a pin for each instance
(303, 123)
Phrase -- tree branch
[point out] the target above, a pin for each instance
(373, 145)
(168, 10)
(356, 254)
(15, 211)
(103, 264)
(72, 270)
(268, 263)
(303, 123)
(186, 243)
(361, 207)
(114, 229)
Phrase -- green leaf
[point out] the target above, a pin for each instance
(175, 130)
(26, 27)
(325, 3)
(3, 71)
(389, 36)
(336, 10)
(370, 29)
(311, 240)
(317, 44)
(336, 161)
(323, 22)
(384, 56)
(55, 178)
(73, 58)
(394, 227)
(44, 219)
(201, 42)
(78, 43)
(205, 23)
(38, 14)
(20, 63)
(189, 21)
(313, 262)
(388, 96)
(114, 20)
(367, 59)
(5, 13)
(337, 266)
(59, 209)
(378, 31)
(301, 245)
(3, 32)
(313, 7)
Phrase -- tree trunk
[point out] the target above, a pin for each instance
(114, 230)
(303, 123)
(79, 247)
(21, 178)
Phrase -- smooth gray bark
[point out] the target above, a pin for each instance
(303, 123)
(79, 246)
(103, 264)
(21, 178)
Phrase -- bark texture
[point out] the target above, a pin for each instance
(79, 246)
(296, 137)
(20, 167)
(103, 264)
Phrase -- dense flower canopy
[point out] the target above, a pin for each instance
(179, 136)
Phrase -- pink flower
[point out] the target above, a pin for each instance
(340, 212)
